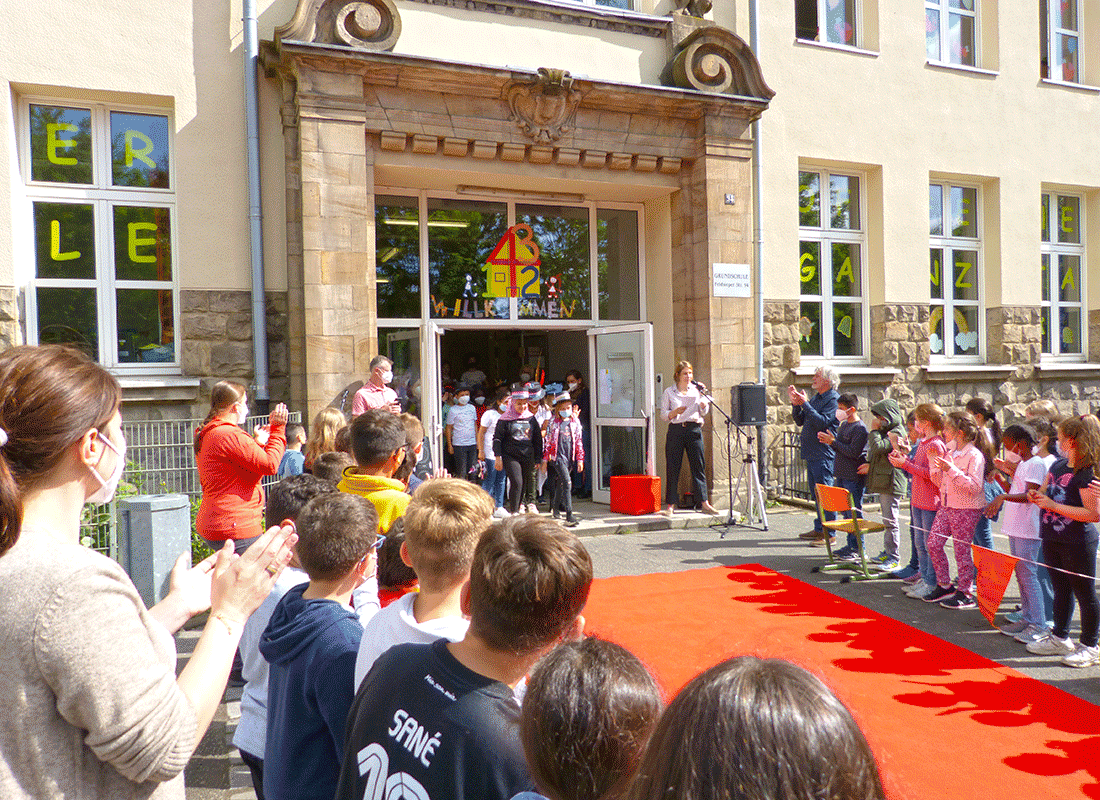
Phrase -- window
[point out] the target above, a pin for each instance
(831, 247)
(1063, 259)
(951, 31)
(955, 320)
(625, 5)
(102, 207)
(1059, 40)
(830, 21)
(506, 260)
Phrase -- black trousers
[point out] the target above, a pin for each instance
(1079, 557)
(562, 497)
(683, 438)
(256, 767)
(519, 472)
(465, 459)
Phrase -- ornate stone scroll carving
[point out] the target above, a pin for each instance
(713, 59)
(366, 24)
(696, 8)
(544, 110)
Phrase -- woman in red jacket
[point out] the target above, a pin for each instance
(231, 465)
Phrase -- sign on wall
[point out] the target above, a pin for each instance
(732, 280)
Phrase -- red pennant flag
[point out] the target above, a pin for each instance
(994, 572)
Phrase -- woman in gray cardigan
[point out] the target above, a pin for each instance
(87, 673)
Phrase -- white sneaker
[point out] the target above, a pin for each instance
(1083, 656)
(1012, 628)
(532, 508)
(1032, 633)
(1051, 645)
(501, 513)
(921, 590)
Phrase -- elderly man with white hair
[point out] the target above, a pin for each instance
(817, 415)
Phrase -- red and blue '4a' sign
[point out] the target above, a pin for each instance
(512, 269)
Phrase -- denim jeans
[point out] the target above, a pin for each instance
(820, 471)
(1027, 577)
(983, 532)
(856, 487)
(922, 520)
(493, 482)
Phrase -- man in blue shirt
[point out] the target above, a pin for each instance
(816, 415)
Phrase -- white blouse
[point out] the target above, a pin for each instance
(673, 398)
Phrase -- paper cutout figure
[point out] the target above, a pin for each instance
(806, 328)
(553, 286)
(469, 290)
(845, 327)
(512, 269)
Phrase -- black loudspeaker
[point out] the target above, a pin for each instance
(747, 404)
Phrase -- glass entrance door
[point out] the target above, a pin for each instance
(621, 358)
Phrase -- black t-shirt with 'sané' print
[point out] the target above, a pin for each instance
(1064, 486)
(425, 727)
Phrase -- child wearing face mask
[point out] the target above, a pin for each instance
(960, 474)
(462, 433)
(517, 445)
(1021, 525)
(924, 495)
(563, 452)
(493, 482)
(850, 444)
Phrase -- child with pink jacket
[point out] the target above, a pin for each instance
(960, 476)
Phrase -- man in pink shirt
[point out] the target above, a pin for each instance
(375, 392)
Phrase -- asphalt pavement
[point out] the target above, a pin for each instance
(639, 545)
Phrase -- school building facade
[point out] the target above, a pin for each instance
(564, 183)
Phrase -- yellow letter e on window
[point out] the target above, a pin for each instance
(54, 143)
(134, 242)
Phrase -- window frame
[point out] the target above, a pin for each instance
(950, 244)
(104, 197)
(510, 200)
(1046, 54)
(825, 236)
(945, 10)
(1051, 248)
(857, 25)
(594, 4)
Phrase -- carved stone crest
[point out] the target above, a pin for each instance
(713, 59)
(544, 110)
(366, 24)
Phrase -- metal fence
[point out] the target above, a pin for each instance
(791, 478)
(160, 459)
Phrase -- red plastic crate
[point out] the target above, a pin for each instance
(635, 494)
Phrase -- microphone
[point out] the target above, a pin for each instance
(702, 389)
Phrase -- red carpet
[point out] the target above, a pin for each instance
(944, 723)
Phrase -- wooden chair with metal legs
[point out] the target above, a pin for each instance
(839, 501)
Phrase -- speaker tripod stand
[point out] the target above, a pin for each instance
(754, 500)
(754, 493)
